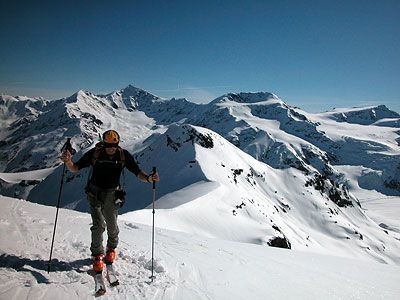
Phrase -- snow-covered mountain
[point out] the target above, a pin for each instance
(246, 167)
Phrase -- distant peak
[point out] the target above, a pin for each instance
(363, 115)
(246, 97)
(82, 93)
(130, 89)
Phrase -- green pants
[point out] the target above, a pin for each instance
(104, 214)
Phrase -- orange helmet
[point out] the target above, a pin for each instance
(111, 137)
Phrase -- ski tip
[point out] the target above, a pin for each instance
(100, 292)
(115, 283)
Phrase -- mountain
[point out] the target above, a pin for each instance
(268, 129)
(272, 174)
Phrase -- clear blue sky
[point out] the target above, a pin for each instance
(314, 54)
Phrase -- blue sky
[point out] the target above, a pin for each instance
(313, 54)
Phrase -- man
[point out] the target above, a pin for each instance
(107, 160)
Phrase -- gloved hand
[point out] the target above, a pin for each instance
(119, 202)
(120, 198)
(66, 156)
(153, 177)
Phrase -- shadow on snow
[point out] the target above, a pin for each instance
(35, 266)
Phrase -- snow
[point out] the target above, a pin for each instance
(236, 174)
(31, 175)
(187, 266)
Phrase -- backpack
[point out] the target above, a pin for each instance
(100, 146)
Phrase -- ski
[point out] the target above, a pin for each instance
(100, 287)
(111, 275)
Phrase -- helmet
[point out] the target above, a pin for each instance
(111, 137)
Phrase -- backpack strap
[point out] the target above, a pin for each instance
(97, 149)
(121, 156)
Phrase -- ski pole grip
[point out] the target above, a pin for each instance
(154, 172)
(65, 146)
(68, 146)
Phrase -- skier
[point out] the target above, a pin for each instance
(107, 160)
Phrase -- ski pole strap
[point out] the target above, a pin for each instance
(154, 172)
(123, 179)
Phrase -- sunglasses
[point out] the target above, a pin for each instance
(109, 145)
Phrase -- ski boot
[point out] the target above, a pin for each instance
(98, 263)
(110, 256)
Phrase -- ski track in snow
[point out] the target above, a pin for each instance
(70, 274)
(70, 264)
(186, 266)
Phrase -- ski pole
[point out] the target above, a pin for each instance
(67, 146)
(152, 236)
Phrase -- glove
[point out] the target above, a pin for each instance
(66, 156)
(120, 198)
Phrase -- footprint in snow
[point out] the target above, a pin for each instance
(158, 268)
(131, 225)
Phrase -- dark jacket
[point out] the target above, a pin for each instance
(107, 169)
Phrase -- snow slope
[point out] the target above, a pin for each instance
(187, 266)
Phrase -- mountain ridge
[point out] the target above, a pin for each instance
(292, 138)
